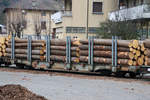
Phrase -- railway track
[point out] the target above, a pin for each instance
(64, 72)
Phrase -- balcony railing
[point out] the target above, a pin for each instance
(57, 17)
(138, 12)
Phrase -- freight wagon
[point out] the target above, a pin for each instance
(93, 55)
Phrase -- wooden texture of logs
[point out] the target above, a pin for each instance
(132, 53)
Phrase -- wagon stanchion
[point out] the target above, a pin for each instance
(89, 50)
(12, 48)
(113, 56)
(48, 49)
(68, 53)
(29, 57)
(92, 53)
(116, 58)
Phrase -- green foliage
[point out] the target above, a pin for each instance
(123, 29)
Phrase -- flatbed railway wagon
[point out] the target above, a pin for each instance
(91, 56)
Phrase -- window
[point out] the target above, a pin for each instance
(43, 25)
(68, 29)
(92, 29)
(97, 7)
(75, 29)
(43, 13)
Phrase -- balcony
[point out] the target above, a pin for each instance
(57, 17)
(138, 12)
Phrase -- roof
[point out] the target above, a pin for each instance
(52, 5)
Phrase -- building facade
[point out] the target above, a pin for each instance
(77, 15)
(30, 17)
(137, 11)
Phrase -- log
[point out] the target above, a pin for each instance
(123, 55)
(135, 44)
(60, 42)
(24, 56)
(147, 52)
(147, 43)
(63, 53)
(1, 54)
(142, 47)
(25, 41)
(25, 51)
(26, 44)
(55, 42)
(134, 63)
(148, 62)
(138, 53)
(63, 48)
(63, 59)
(107, 42)
(3, 46)
(86, 47)
(104, 60)
(2, 40)
(140, 61)
(130, 62)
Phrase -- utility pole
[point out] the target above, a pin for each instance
(87, 19)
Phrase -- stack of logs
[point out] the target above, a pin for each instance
(131, 53)
(58, 51)
(21, 50)
(3, 45)
(103, 51)
(146, 43)
(138, 54)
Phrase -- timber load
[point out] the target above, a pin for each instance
(58, 50)
(21, 49)
(146, 44)
(129, 52)
(102, 51)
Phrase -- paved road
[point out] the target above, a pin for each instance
(73, 88)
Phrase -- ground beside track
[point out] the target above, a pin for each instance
(60, 86)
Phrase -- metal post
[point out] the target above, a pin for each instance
(13, 47)
(29, 57)
(92, 51)
(89, 50)
(112, 51)
(47, 48)
(68, 52)
(116, 51)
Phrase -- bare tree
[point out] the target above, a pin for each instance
(16, 21)
(37, 24)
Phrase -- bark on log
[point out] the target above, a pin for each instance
(25, 41)
(24, 56)
(147, 52)
(104, 60)
(147, 43)
(108, 42)
(63, 53)
(59, 42)
(63, 48)
(121, 55)
(26, 44)
(103, 48)
(63, 59)
(55, 42)
(25, 51)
